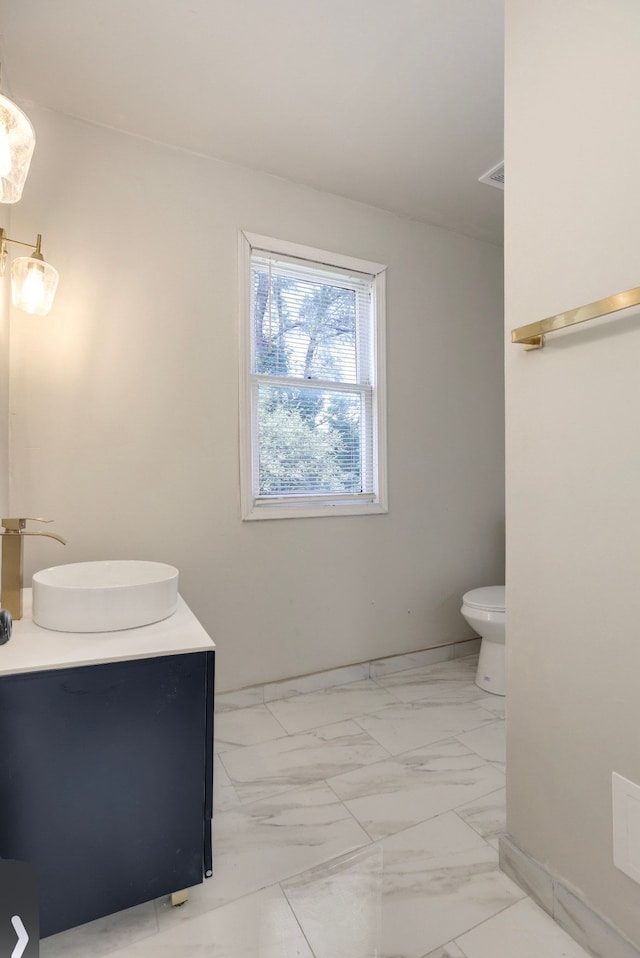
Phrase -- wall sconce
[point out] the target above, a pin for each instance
(17, 140)
(33, 282)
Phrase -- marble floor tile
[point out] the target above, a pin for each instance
(239, 727)
(315, 682)
(464, 665)
(464, 650)
(418, 689)
(410, 660)
(242, 699)
(446, 681)
(103, 936)
(451, 667)
(492, 703)
(400, 792)
(422, 888)
(258, 844)
(260, 925)
(409, 725)
(450, 950)
(300, 713)
(296, 760)
(487, 815)
(339, 905)
(224, 794)
(489, 742)
(522, 931)
(460, 891)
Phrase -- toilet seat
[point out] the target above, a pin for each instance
(491, 598)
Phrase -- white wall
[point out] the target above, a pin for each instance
(125, 400)
(573, 438)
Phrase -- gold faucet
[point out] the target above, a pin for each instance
(11, 573)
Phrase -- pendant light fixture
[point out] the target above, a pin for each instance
(33, 281)
(17, 141)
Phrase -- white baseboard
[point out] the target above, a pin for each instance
(584, 925)
(316, 681)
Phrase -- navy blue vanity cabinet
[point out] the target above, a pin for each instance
(106, 782)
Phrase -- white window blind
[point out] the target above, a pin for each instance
(312, 383)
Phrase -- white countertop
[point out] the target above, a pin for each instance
(33, 649)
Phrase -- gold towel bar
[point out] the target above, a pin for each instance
(532, 336)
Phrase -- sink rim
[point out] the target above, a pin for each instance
(53, 577)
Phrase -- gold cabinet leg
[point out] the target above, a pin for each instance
(179, 897)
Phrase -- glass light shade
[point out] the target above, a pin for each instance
(17, 141)
(33, 285)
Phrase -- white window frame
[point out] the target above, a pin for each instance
(290, 507)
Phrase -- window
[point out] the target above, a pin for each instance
(312, 382)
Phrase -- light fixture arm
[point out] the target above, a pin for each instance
(37, 252)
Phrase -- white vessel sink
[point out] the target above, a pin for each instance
(104, 596)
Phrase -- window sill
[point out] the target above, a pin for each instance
(308, 511)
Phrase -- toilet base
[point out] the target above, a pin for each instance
(490, 676)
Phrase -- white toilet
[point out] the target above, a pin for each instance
(484, 610)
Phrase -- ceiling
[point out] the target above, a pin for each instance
(396, 103)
